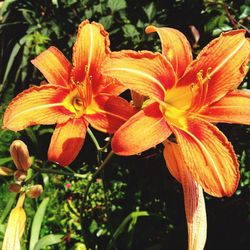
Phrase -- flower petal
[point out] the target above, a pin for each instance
(144, 72)
(175, 47)
(209, 156)
(67, 141)
(142, 131)
(219, 68)
(193, 197)
(54, 66)
(36, 105)
(232, 108)
(109, 113)
(90, 49)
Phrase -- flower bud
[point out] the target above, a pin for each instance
(20, 155)
(6, 171)
(15, 188)
(20, 175)
(15, 227)
(35, 191)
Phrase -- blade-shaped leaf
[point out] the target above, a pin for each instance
(48, 240)
(128, 223)
(37, 222)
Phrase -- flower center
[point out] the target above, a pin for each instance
(77, 103)
(174, 115)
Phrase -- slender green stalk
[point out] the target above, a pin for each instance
(94, 139)
(85, 195)
(60, 172)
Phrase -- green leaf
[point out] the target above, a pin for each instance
(245, 12)
(130, 30)
(5, 6)
(8, 207)
(36, 224)
(116, 5)
(12, 57)
(129, 222)
(5, 160)
(150, 11)
(48, 240)
(106, 21)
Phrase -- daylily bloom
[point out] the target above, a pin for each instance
(74, 97)
(15, 227)
(187, 96)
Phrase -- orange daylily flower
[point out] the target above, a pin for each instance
(74, 97)
(187, 97)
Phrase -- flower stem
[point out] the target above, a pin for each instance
(60, 172)
(94, 139)
(85, 196)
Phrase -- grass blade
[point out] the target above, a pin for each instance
(37, 222)
(48, 240)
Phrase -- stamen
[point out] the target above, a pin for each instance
(199, 99)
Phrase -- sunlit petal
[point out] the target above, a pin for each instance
(193, 197)
(142, 131)
(210, 157)
(232, 108)
(219, 68)
(54, 66)
(175, 47)
(109, 113)
(150, 74)
(90, 49)
(67, 141)
(36, 105)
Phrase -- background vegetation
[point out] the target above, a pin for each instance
(135, 203)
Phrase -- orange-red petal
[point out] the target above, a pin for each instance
(67, 141)
(209, 156)
(219, 68)
(144, 72)
(109, 113)
(175, 47)
(36, 105)
(54, 66)
(232, 108)
(90, 49)
(142, 131)
(193, 197)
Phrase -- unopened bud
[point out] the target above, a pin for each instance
(35, 191)
(137, 99)
(15, 188)
(6, 171)
(20, 155)
(20, 175)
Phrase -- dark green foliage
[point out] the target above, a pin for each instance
(133, 184)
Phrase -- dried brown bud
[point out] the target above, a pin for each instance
(6, 171)
(137, 98)
(35, 191)
(20, 175)
(20, 155)
(15, 188)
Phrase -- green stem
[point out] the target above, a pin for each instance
(94, 139)
(60, 172)
(85, 195)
